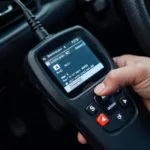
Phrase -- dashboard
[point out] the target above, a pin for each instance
(13, 27)
(16, 39)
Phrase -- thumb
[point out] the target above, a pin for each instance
(128, 75)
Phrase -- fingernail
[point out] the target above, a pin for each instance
(99, 88)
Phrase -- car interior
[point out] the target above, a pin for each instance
(25, 119)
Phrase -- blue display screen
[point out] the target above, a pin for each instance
(73, 64)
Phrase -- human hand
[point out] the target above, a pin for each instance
(133, 71)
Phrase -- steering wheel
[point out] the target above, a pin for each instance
(139, 20)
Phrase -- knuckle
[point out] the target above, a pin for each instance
(140, 69)
(112, 75)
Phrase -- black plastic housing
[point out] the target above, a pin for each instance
(133, 135)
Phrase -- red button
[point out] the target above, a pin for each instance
(102, 120)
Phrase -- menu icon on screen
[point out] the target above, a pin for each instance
(56, 67)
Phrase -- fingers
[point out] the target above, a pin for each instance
(81, 139)
(126, 60)
(114, 80)
(128, 75)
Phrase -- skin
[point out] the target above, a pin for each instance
(133, 71)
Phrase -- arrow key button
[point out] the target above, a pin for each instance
(102, 120)
(124, 102)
